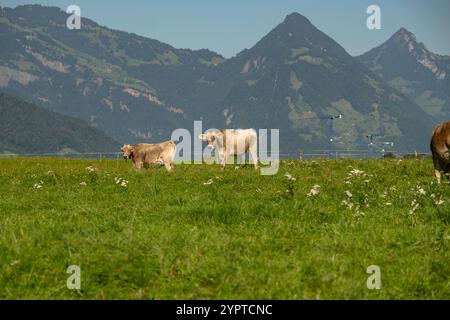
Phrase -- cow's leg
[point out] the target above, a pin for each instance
(166, 159)
(438, 168)
(446, 172)
(239, 161)
(168, 165)
(138, 165)
(254, 155)
(438, 175)
(224, 160)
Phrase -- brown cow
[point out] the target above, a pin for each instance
(440, 145)
(143, 154)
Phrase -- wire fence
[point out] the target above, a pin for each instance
(300, 155)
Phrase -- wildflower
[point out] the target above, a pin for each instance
(289, 177)
(420, 191)
(347, 203)
(388, 204)
(38, 185)
(210, 181)
(122, 182)
(414, 206)
(314, 190)
(90, 169)
(356, 172)
(348, 193)
(439, 202)
(83, 184)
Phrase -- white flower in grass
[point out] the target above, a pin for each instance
(388, 204)
(14, 262)
(439, 202)
(210, 181)
(315, 190)
(348, 193)
(120, 181)
(356, 172)
(83, 184)
(90, 169)
(420, 191)
(414, 206)
(38, 185)
(289, 177)
(347, 203)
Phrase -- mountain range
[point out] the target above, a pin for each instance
(408, 66)
(139, 89)
(26, 128)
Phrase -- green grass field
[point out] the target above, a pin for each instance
(241, 235)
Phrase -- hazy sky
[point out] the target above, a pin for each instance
(229, 26)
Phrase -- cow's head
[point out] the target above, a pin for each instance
(211, 137)
(127, 150)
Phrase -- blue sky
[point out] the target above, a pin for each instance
(229, 26)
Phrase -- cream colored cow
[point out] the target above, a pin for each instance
(231, 142)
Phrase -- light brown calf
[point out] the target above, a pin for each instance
(143, 154)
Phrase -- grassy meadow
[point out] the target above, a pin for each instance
(309, 232)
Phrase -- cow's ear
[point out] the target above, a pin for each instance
(202, 136)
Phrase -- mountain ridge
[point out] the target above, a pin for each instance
(26, 128)
(408, 66)
(139, 89)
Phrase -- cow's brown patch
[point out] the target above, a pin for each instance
(440, 145)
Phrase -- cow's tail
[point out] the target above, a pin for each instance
(174, 149)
